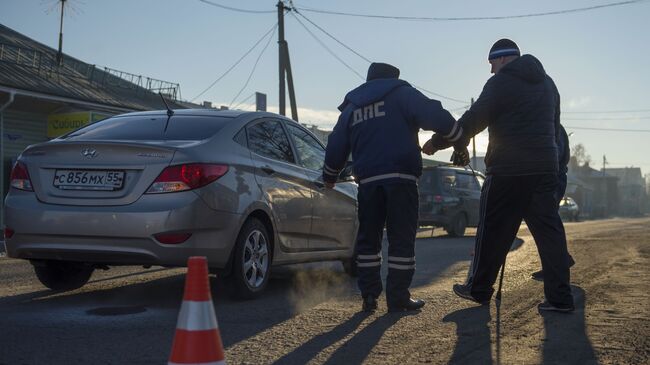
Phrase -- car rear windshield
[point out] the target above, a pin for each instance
(437, 180)
(150, 128)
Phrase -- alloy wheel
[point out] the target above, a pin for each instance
(255, 259)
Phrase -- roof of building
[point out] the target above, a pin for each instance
(627, 175)
(28, 65)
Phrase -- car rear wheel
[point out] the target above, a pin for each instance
(457, 226)
(62, 275)
(252, 260)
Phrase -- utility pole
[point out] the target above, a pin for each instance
(473, 142)
(604, 163)
(59, 55)
(284, 68)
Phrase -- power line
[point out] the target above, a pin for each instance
(608, 129)
(236, 63)
(439, 95)
(254, 67)
(334, 38)
(237, 9)
(243, 101)
(610, 111)
(607, 118)
(419, 18)
(327, 48)
(361, 56)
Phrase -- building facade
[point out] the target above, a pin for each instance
(41, 99)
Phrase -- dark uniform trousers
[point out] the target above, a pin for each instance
(394, 205)
(505, 201)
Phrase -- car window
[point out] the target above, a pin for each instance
(447, 180)
(310, 153)
(240, 138)
(150, 128)
(267, 138)
(427, 181)
(466, 182)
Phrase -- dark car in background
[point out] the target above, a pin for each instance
(449, 198)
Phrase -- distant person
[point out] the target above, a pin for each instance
(521, 106)
(564, 154)
(379, 125)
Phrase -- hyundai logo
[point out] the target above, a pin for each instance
(89, 152)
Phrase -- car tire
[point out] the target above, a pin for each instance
(457, 226)
(252, 260)
(63, 275)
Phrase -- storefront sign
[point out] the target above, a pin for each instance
(59, 124)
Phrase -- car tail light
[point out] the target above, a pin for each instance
(437, 198)
(8, 233)
(20, 177)
(172, 238)
(186, 177)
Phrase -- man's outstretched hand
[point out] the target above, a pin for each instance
(435, 144)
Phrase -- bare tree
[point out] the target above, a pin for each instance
(579, 152)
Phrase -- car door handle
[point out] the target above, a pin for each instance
(268, 170)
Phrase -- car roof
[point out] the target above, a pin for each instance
(204, 112)
(451, 167)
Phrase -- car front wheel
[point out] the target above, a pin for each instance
(252, 260)
(62, 275)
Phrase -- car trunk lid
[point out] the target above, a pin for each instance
(96, 172)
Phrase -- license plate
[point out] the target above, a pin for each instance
(88, 179)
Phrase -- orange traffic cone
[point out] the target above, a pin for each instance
(197, 339)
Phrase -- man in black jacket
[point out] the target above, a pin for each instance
(521, 106)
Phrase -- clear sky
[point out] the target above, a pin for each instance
(599, 59)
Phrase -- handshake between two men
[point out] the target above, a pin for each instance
(460, 156)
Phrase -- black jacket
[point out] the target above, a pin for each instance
(520, 106)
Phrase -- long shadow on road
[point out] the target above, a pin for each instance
(39, 315)
(435, 255)
(566, 335)
(565, 340)
(142, 313)
(473, 344)
(314, 346)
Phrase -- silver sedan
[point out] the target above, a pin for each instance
(242, 188)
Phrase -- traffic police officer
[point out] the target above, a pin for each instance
(379, 125)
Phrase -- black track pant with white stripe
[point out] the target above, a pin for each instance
(394, 205)
(505, 201)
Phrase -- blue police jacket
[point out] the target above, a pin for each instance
(379, 124)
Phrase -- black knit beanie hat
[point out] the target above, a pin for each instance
(379, 70)
(502, 48)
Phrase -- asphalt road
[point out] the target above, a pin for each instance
(310, 313)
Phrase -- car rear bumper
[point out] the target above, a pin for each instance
(436, 220)
(120, 235)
